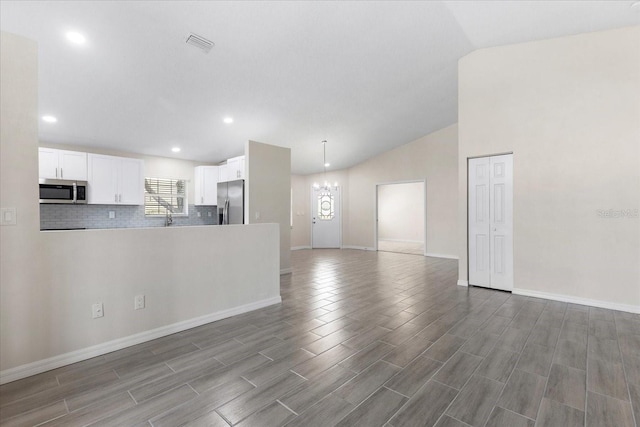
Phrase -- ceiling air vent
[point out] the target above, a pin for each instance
(199, 42)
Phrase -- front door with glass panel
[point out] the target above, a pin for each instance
(325, 217)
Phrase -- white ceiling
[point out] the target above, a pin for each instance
(365, 76)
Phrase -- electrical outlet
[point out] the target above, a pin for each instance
(138, 302)
(112, 214)
(97, 310)
(209, 213)
(198, 214)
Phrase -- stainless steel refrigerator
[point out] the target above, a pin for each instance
(231, 202)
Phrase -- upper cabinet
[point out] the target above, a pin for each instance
(222, 173)
(206, 183)
(115, 180)
(62, 164)
(232, 170)
(235, 168)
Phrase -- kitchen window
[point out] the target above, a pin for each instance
(165, 195)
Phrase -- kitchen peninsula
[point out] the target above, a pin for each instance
(188, 275)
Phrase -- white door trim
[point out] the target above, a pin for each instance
(375, 204)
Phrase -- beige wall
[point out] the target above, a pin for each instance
(23, 288)
(268, 192)
(569, 110)
(49, 280)
(154, 167)
(432, 157)
(401, 212)
(300, 228)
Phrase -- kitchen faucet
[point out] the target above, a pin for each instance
(168, 219)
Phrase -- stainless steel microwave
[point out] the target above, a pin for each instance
(63, 191)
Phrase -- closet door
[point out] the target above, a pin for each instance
(501, 216)
(479, 222)
(490, 221)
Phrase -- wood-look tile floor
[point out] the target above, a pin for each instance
(401, 247)
(361, 339)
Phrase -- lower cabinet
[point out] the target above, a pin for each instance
(115, 180)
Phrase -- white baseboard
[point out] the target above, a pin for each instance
(463, 283)
(400, 240)
(360, 248)
(297, 248)
(575, 300)
(44, 365)
(286, 271)
(441, 256)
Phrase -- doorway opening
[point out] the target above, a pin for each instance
(401, 220)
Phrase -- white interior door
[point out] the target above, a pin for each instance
(491, 221)
(479, 226)
(325, 218)
(501, 217)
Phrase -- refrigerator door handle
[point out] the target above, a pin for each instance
(226, 212)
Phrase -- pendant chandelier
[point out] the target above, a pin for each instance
(326, 186)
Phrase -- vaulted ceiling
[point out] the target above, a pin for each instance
(365, 76)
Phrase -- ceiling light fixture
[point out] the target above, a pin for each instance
(228, 120)
(76, 38)
(326, 186)
(49, 119)
(176, 149)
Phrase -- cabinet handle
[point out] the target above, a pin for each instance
(61, 174)
(116, 198)
(56, 172)
(120, 198)
(201, 199)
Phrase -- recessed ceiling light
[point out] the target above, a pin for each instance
(76, 38)
(176, 149)
(49, 119)
(228, 120)
(326, 165)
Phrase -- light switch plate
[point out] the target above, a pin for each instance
(8, 216)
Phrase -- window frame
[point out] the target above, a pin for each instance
(176, 195)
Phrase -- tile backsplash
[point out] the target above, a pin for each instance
(54, 217)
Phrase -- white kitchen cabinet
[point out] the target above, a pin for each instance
(115, 180)
(206, 183)
(222, 173)
(62, 164)
(235, 168)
